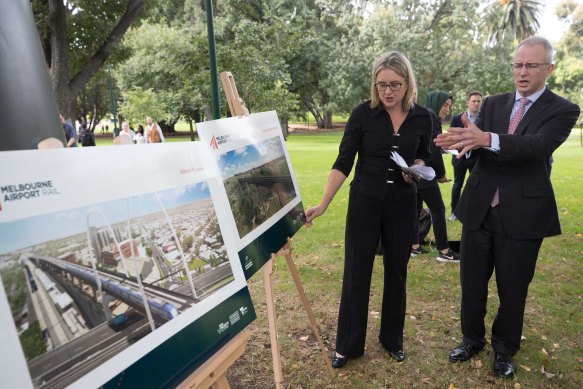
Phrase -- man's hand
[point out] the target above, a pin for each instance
(463, 139)
(443, 180)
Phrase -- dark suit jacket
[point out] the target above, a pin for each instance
(527, 202)
(456, 121)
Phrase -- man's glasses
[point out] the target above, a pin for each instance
(394, 86)
(528, 66)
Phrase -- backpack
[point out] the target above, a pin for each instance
(85, 138)
(424, 224)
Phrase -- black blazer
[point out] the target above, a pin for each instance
(456, 121)
(528, 209)
(369, 133)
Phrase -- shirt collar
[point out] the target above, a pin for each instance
(534, 97)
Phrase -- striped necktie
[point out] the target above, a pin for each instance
(516, 118)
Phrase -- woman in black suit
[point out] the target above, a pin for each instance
(382, 203)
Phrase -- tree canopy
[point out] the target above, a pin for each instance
(295, 57)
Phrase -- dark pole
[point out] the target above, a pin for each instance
(28, 111)
(110, 83)
(213, 61)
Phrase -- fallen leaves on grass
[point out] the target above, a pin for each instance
(526, 367)
(304, 338)
(546, 373)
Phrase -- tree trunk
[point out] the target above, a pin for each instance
(284, 127)
(191, 129)
(65, 87)
(328, 120)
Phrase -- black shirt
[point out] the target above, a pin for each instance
(369, 132)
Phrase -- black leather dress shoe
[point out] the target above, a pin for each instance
(503, 366)
(338, 362)
(463, 352)
(398, 356)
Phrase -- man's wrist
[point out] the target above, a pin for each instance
(488, 139)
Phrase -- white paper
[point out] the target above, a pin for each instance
(423, 172)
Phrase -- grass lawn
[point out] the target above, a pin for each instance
(552, 351)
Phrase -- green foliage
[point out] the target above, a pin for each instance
(138, 104)
(32, 341)
(15, 284)
(514, 19)
(567, 79)
(187, 242)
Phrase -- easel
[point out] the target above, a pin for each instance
(237, 108)
(212, 373)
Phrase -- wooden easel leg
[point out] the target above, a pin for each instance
(221, 383)
(286, 250)
(268, 282)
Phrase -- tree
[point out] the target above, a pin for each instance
(77, 38)
(517, 19)
(567, 78)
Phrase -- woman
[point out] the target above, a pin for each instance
(381, 204)
(140, 138)
(439, 103)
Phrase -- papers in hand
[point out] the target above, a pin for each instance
(452, 152)
(417, 171)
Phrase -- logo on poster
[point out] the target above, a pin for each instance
(28, 190)
(219, 140)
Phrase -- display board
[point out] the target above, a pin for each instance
(258, 178)
(118, 266)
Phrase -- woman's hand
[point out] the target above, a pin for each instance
(313, 213)
(410, 178)
(443, 180)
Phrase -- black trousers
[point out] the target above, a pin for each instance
(432, 197)
(483, 251)
(369, 219)
(459, 176)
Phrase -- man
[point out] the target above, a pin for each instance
(153, 132)
(70, 133)
(508, 205)
(127, 131)
(463, 165)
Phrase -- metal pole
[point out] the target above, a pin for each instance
(30, 118)
(113, 112)
(213, 61)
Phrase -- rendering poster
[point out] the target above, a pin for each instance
(116, 268)
(262, 191)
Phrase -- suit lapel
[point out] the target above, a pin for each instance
(504, 117)
(537, 108)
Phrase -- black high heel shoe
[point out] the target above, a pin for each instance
(338, 362)
(398, 356)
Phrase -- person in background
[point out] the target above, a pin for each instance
(70, 133)
(508, 205)
(126, 131)
(140, 138)
(381, 205)
(463, 165)
(153, 132)
(86, 137)
(438, 103)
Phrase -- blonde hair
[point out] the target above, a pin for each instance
(398, 63)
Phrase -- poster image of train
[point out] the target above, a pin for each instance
(85, 284)
(258, 182)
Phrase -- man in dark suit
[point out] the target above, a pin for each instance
(508, 205)
(463, 165)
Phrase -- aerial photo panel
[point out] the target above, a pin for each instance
(258, 182)
(116, 270)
